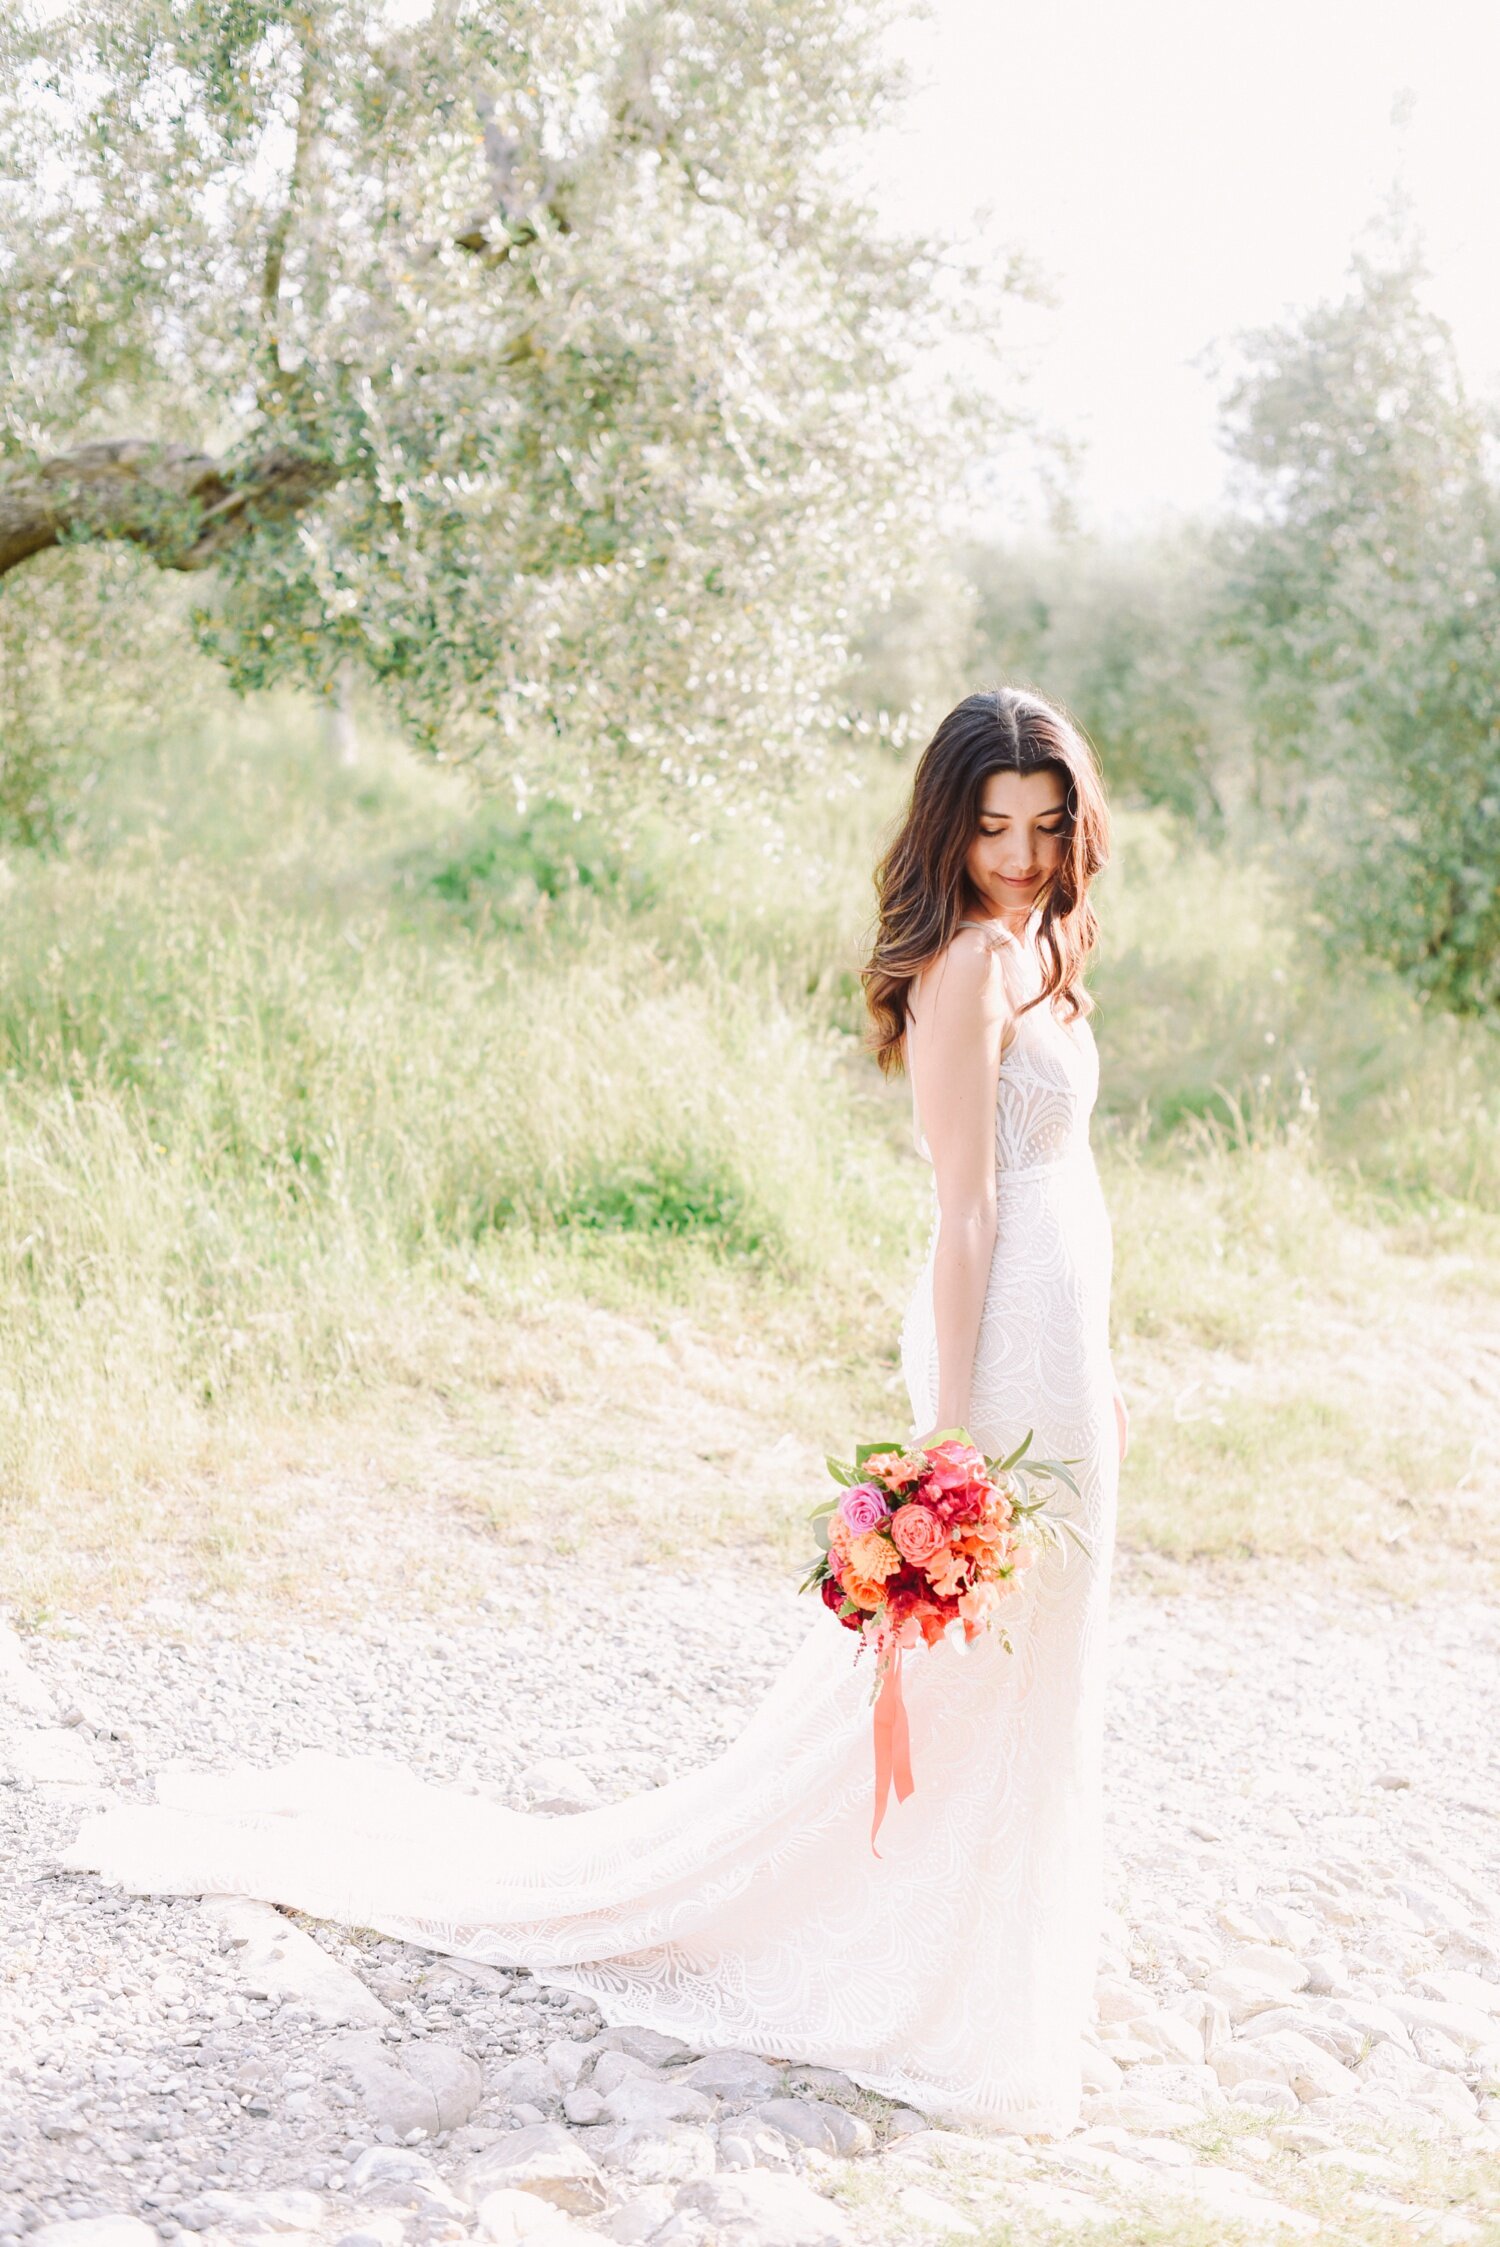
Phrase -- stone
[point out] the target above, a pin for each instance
(553, 1785)
(276, 1959)
(383, 2229)
(752, 2209)
(514, 2219)
(748, 2144)
(97, 2231)
(1125, 2047)
(1169, 2035)
(852, 2135)
(1450, 2100)
(1286, 2056)
(1134, 2110)
(904, 2122)
(650, 2045)
(1100, 2072)
(1243, 1992)
(930, 2208)
(1265, 2096)
(524, 2081)
(1296, 1930)
(383, 2164)
(564, 2060)
(1375, 2023)
(24, 1690)
(654, 2154)
(1335, 2036)
(614, 2067)
(639, 2218)
(1116, 2000)
(655, 2099)
(1326, 1973)
(583, 2105)
(285, 2211)
(804, 2121)
(734, 2075)
(1470, 1990)
(53, 1756)
(540, 2158)
(423, 2085)
(1466, 2024)
(1270, 1962)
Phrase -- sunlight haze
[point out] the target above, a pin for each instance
(1182, 173)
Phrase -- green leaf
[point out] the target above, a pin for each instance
(820, 1529)
(839, 1472)
(1003, 1466)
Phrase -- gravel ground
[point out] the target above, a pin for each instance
(1299, 1992)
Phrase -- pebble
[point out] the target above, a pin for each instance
(1296, 1944)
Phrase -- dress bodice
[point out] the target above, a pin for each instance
(1048, 1082)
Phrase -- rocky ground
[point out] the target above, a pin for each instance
(1299, 1987)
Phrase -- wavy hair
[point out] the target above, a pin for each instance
(921, 883)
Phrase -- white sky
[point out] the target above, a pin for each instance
(1186, 169)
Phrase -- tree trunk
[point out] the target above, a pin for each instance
(343, 731)
(181, 506)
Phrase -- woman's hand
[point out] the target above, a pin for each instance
(1122, 1423)
(939, 1434)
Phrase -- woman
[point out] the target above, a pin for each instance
(741, 1906)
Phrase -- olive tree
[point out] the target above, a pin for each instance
(1364, 593)
(539, 357)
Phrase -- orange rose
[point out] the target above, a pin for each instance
(916, 1532)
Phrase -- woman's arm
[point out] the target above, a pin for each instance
(964, 1012)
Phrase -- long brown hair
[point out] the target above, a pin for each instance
(921, 881)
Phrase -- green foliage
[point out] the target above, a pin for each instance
(1365, 595)
(1126, 634)
(87, 653)
(615, 380)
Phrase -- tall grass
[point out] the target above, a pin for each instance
(263, 1069)
(294, 1061)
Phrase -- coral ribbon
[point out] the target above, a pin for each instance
(892, 1743)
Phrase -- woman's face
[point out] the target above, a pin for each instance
(1018, 843)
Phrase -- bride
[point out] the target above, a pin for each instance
(741, 1905)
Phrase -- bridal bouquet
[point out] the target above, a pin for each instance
(921, 1542)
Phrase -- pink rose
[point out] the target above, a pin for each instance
(863, 1508)
(916, 1532)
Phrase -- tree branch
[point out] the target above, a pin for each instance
(281, 226)
(184, 508)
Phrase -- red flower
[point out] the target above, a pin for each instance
(833, 1598)
(957, 1484)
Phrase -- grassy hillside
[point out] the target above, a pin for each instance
(371, 1153)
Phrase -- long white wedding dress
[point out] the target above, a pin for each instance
(741, 1905)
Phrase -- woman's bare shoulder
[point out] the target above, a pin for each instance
(966, 976)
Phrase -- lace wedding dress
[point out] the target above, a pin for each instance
(741, 1905)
